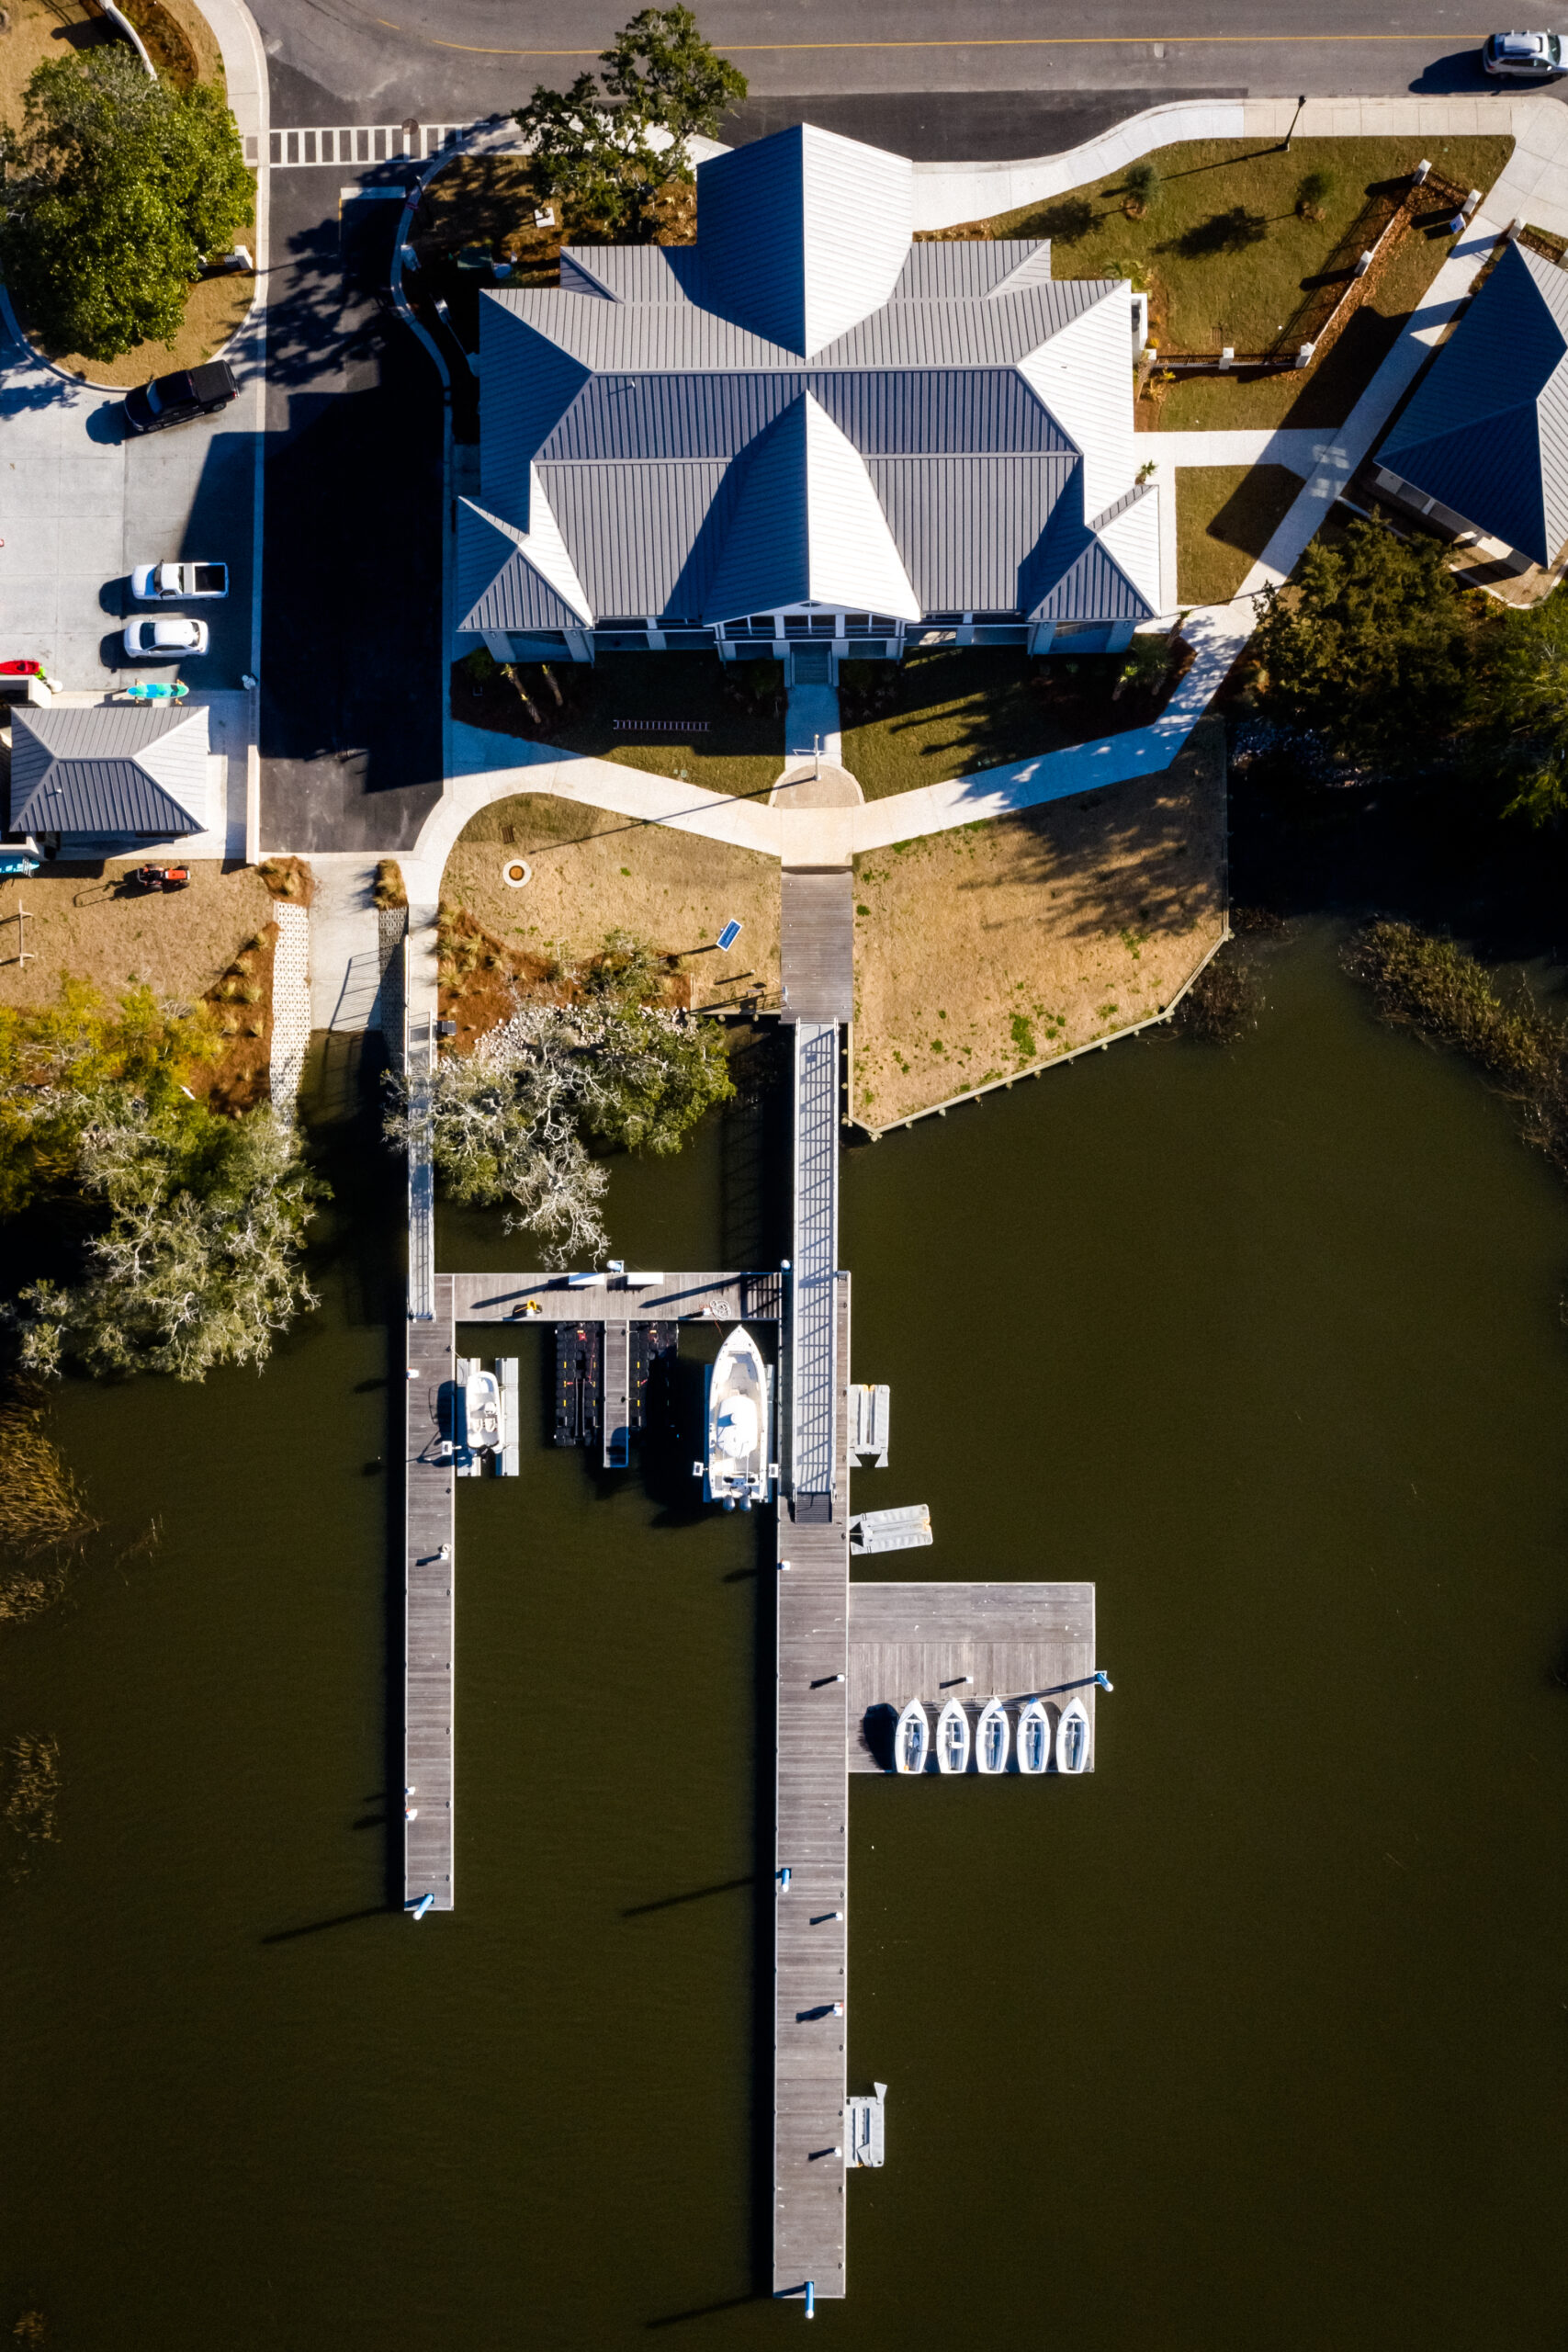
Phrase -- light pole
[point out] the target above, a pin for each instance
(1292, 132)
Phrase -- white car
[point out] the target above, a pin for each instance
(1525, 57)
(147, 639)
(162, 583)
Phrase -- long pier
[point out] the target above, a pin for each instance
(429, 1616)
(846, 1657)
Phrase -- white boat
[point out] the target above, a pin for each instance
(1072, 1738)
(993, 1737)
(953, 1738)
(740, 1424)
(1033, 1742)
(481, 1411)
(912, 1740)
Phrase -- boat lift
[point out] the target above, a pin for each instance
(866, 2136)
(868, 1425)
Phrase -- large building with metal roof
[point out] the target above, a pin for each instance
(1482, 447)
(806, 436)
(113, 769)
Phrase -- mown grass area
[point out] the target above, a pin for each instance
(1226, 516)
(939, 715)
(1227, 251)
(727, 724)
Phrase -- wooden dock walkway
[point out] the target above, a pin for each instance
(680, 1297)
(920, 1641)
(428, 1614)
(811, 1841)
(817, 943)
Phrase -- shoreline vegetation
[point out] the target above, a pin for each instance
(1433, 986)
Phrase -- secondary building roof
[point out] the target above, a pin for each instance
(1486, 433)
(113, 767)
(805, 406)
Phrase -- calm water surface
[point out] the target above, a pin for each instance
(1252, 2040)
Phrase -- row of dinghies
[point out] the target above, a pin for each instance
(1024, 1736)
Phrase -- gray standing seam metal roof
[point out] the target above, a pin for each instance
(1486, 433)
(109, 768)
(651, 394)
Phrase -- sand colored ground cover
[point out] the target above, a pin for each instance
(89, 921)
(984, 953)
(1226, 516)
(594, 872)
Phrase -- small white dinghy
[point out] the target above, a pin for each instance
(993, 1737)
(481, 1412)
(1072, 1738)
(953, 1738)
(1034, 1744)
(740, 1424)
(912, 1740)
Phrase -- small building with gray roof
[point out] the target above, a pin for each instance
(1482, 447)
(111, 770)
(807, 435)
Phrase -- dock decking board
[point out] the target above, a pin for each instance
(811, 1837)
(733, 1298)
(428, 1610)
(817, 943)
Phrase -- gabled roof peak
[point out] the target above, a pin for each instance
(804, 234)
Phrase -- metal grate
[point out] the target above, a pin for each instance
(812, 1322)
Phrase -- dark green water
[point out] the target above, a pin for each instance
(1254, 2040)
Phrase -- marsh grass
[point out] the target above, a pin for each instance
(1433, 986)
(31, 1802)
(42, 1502)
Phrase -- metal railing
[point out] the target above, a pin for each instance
(418, 1067)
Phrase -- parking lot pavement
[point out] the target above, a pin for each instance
(80, 503)
(351, 662)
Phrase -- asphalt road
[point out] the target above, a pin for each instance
(467, 58)
(351, 598)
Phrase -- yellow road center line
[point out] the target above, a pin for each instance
(1045, 40)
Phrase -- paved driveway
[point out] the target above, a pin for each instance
(79, 505)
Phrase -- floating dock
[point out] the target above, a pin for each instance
(617, 1298)
(970, 1642)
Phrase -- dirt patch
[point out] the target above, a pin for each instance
(92, 920)
(991, 950)
(593, 872)
(1226, 516)
(489, 201)
(41, 31)
(240, 1003)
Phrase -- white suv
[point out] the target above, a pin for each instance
(1526, 57)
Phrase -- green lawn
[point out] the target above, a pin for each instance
(740, 751)
(1227, 258)
(1226, 516)
(939, 715)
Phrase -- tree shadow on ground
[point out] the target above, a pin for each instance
(1223, 233)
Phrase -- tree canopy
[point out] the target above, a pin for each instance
(511, 1120)
(1369, 644)
(607, 150)
(189, 1243)
(113, 189)
(1529, 709)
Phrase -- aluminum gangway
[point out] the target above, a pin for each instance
(813, 1334)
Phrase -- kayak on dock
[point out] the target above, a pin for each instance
(992, 1738)
(1072, 1738)
(1034, 1738)
(953, 1738)
(911, 1741)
